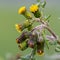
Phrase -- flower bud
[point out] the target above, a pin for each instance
(40, 52)
(40, 48)
(22, 37)
(33, 36)
(28, 15)
(19, 27)
(22, 10)
(23, 45)
(35, 10)
(37, 14)
(32, 41)
(27, 23)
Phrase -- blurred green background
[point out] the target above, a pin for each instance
(9, 17)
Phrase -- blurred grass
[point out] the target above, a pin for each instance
(9, 17)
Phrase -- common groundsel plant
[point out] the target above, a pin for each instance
(35, 37)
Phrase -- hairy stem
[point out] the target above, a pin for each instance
(51, 31)
(46, 26)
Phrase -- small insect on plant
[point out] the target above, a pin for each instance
(35, 37)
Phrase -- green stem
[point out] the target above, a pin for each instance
(33, 53)
(45, 39)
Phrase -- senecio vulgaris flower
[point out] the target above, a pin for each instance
(22, 10)
(22, 37)
(35, 10)
(18, 27)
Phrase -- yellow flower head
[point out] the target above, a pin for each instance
(34, 8)
(22, 10)
(18, 27)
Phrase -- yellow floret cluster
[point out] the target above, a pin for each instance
(22, 10)
(18, 27)
(34, 8)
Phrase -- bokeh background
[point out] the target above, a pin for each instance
(9, 17)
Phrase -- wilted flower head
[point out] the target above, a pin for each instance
(31, 43)
(22, 37)
(40, 48)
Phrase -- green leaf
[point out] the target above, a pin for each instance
(46, 41)
(38, 4)
(58, 46)
(43, 4)
(47, 17)
(38, 0)
(57, 50)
